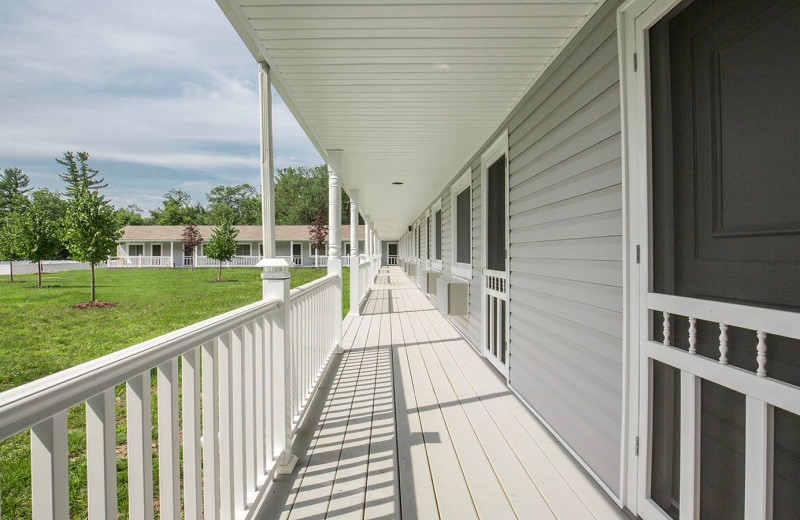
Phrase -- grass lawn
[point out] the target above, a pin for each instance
(41, 335)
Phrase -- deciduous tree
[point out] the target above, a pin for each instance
(222, 244)
(91, 229)
(318, 230)
(10, 239)
(191, 239)
(38, 235)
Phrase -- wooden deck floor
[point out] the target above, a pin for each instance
(412, 423)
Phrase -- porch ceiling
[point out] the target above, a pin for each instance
(408, 89)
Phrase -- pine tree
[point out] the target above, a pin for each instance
(222, 244)
(79, 173)
(191, 239)
(91, 229)
(13, 189)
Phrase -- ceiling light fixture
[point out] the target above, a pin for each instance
(397, 183)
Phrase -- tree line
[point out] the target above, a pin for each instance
(300, 194)
(38, 225)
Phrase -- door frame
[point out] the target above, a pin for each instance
(498, 148)
(634, 19)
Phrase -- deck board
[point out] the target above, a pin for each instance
(414, 424)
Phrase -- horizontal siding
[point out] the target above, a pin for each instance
(565, 217)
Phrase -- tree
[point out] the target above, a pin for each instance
(241, 204)
(10, 239)
(191, 239)
(301, 192)
(79, 173)
(222, 244)
(13, 189)
(38, 234)
(56, 208)
(319, 233)
(177, 209)
(130, 215)
(91, 229)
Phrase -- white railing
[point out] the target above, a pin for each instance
(236, 261)
(364, 278)
(322, 261)
(139, 261)
(392, 260)
(763, 393)
(245, 379)
(312, 337)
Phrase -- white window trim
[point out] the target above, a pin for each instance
(435, 264)
(460, 269)
(128, 248)
(242, 244)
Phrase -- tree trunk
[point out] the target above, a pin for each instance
(219, 278)
(11, 269)
(92, 282)
(39, 263)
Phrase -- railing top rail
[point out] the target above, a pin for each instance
(771, 321)
(31, 403)
(299, 292)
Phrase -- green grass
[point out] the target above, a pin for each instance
(43, 335)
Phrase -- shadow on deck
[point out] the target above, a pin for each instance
(410, 422)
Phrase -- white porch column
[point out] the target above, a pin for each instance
(354, 299)
(267, 168)
(335, 235)
(275, 284)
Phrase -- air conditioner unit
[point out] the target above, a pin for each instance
(411, 269)
(432, 279)
(452, 297)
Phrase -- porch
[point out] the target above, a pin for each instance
(411, 423)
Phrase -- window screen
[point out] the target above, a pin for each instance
(496, 216)
(463, 231)
(243, 250)
(428, 237)
(135, 250)
(156, 250)
(437, 219)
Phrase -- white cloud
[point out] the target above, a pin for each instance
(150, 83)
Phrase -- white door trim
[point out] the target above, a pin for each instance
(494, 152)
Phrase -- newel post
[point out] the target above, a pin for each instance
(276, 284)
(354, 259)
(335, 238)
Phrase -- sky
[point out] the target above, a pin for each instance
(162, 94)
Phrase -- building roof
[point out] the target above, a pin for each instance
(246, 233)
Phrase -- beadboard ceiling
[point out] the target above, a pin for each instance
(408, 89)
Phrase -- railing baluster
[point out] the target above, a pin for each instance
(211, 434)
(237, 418)
(190, 395)
(666, 329)
(140, 451)
(101, 463)
(269, 409)
(723, 344)
(226, 469)
(761, 357)
(692, 335)
(49, 472)
(169, 485)
(249, 407)
(258, 394)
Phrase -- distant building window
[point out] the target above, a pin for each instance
(135, 250)
(243, 250)
(156, 249)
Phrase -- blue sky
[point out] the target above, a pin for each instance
(162, 94)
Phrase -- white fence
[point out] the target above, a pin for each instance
(322, 261)
(364, 278)
(238, 377)
(762, 393)
(236, 261)
(139, 261)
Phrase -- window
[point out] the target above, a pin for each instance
(243, 250)
(428, 236)
(461, 201)
(261, 249)
(419, 244)
(438, 234)
(135, 249)
(156, 249)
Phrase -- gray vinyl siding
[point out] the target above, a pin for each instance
(566, 248)
(565, 223)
